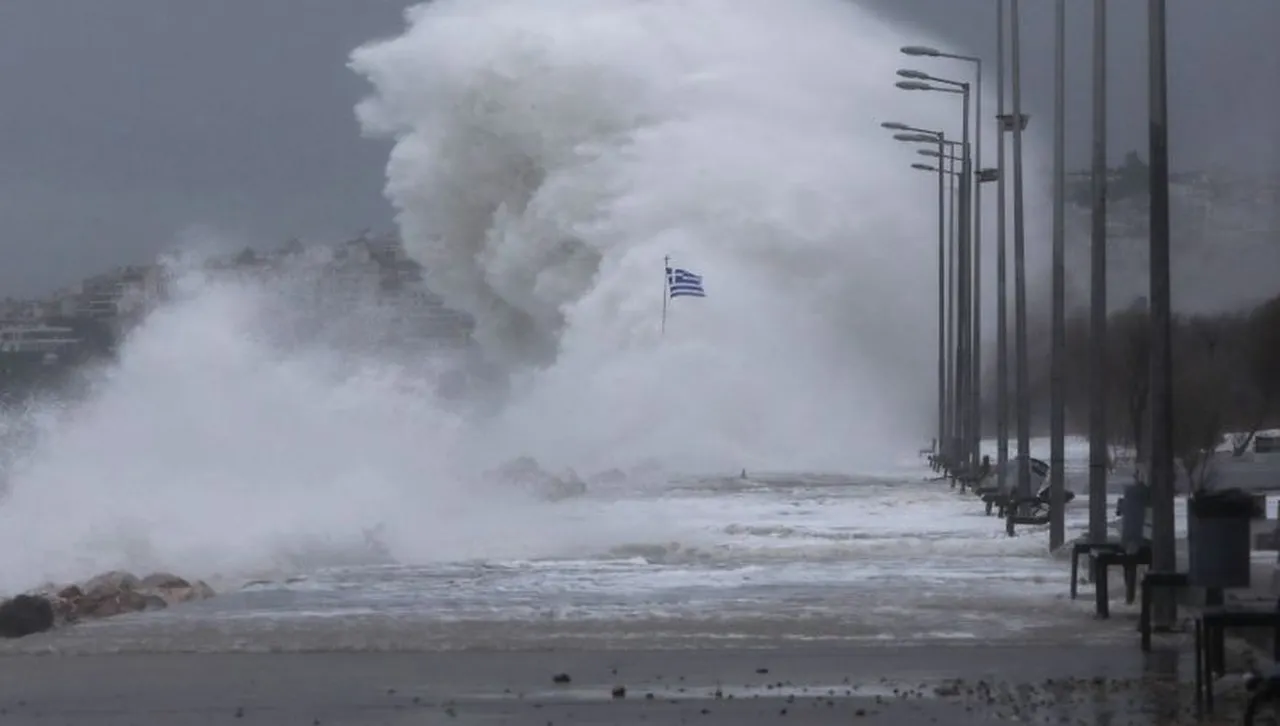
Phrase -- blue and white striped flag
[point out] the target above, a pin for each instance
(682, 283)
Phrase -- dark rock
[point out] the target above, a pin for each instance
(106, 595)
(104, 603)
(110, 582)
(163, 581)
(153, 602)
(25, 615)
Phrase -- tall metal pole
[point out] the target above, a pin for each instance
(975, 387)
(1021, 383)
(966, 280)
(1163, 552)
(1098, 287)
(962, 316)
(970, 436)
(1002, 313)
(953, 360)
(942, 291)
(666, 290)
(1057, 393)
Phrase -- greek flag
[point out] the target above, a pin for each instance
(682, 283)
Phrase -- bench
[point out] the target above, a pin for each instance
(1105, 555)
(991, 494)
(1029, 511)
(1082, 548)
(993, 500)
(1210, 636)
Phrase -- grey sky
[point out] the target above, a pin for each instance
(125, 122)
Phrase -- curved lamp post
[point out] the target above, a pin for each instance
(912, 134)
(974, 196)
(966, 448)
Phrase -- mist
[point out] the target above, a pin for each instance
(547, 158)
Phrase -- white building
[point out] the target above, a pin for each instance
(32, 338)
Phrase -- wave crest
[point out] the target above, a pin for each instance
(549, 155)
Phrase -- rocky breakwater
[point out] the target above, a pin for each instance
(109, 594)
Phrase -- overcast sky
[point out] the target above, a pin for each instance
(125, 122)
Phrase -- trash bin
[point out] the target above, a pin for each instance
(1218, 533)
(1133, 515)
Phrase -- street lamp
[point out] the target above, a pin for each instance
(915, 135)
(965, 388)
(1098, 453)
(1002, 297)
(922, 50)
(939, 155)
(947, 311)
(1161, 472)
(948, 373)
(1058, 336)
(1021, 378)
(922, 86)
(975, 235)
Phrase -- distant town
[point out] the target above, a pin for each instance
(41, 340)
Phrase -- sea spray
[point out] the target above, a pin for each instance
(547, 157)
(224, 442)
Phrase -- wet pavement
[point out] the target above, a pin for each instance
(1060, 684)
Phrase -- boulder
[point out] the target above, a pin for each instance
(163, 581)
(198, 590)
(172, 589)
(106, 595)
(109, 583)
(117, 592)
(25, 615)
(107, 604)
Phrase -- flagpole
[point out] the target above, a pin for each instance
(666, 283)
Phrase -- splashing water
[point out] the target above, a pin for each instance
(547, 157)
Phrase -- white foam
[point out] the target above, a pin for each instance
(547, 156)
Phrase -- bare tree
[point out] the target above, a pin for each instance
(1227, 380)
(1129, 351)
(1202, 383)
(1077, 365)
